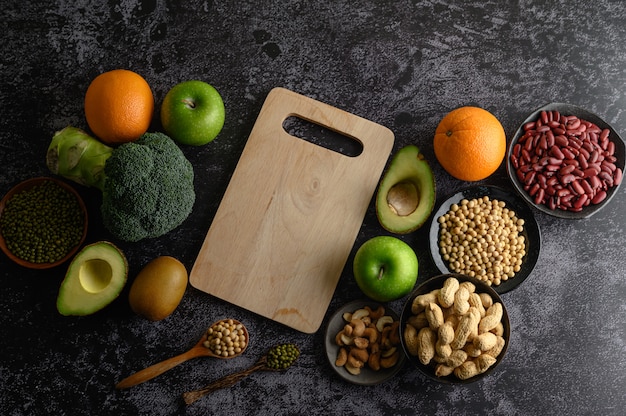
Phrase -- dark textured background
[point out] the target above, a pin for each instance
(402, 64)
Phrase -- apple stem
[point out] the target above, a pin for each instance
(189, 103)
(381, 272)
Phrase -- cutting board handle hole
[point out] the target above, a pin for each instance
(322, 136)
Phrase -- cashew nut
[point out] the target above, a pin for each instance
(342, 357)
(394, 334)
(383, 321)
(380, 311)
(360, 314)
(355, 371)
(374, 361)
(388, 362)
(361, 343)
(357, 357)
(371, 333)
(358, 326)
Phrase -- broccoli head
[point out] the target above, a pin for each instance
(147, 185)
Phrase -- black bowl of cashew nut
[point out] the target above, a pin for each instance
(455, 329)
(362, 343)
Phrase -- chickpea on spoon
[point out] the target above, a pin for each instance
(227, 338)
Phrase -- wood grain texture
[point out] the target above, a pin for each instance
(291, 213)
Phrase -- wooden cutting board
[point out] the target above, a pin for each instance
(291, 213)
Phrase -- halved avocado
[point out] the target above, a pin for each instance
(94, 278)
(406, 193)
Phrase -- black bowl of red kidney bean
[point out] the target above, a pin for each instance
(566, 161)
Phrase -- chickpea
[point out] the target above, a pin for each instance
(482, 238)
(226, 338)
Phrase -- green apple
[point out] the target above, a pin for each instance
(193, 113)
(385, 268)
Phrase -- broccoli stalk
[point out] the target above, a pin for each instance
(76, 156)
(147, 185)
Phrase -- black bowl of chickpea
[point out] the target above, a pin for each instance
(566, 161)
(487, 233)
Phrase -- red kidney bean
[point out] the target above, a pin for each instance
(598, 197)
(568, 153)
(553, 204)
(580, 201)
(577, 187)
(572, 123)
(590, 172)
(617, 176)
(563, 192)
(566, 169)
(587, 188)
(533, 189)
(556, 152)
(610, 148)
(529, 126)
(539, 197)
(549, 139)
(567, 179)
(595, 182)
(565, 162)
(608, 167)
(605, 175)
(560, 140)
(583, 152)
(604, 134)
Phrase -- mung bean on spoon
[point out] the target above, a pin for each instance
(227, 338)
(278, 358)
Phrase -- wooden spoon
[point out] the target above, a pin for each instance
(230, 380)
(198, 350)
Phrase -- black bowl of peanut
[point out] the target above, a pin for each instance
(455, 329)
(488, 233)
(362, 342)
(566, 161)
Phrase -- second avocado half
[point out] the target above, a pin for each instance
(406, 193)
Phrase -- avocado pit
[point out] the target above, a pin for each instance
(403, 198)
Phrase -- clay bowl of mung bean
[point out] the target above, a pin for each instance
(454, 329)
(43, 222)
(486, 232)
(566, 161)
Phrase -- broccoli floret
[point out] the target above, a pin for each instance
(147, 189)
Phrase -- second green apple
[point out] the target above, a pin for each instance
(193, 113)
(385, 268)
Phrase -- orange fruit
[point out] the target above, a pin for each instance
(119, 106)
(470, 143)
